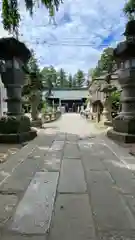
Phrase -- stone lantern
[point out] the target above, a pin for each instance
(107, 102)
(124, 124)
(35, 99)
(15, 127)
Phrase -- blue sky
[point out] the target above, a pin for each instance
(93, 23)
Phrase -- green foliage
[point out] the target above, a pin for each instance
(62, 78)
(74, 81)
(79, 78)
(11, 14)
(70, 80)
(32, 64)
(44, 108)
(129, 9)
(52, 78)
(47, 78)
(115, 99)
(34, 82)
(34, 77)
(94, 73)
(106, 64)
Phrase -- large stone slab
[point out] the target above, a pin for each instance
(72, 177)
(92, 163)
(34, 212)
(60, 137)
(14, 160)
(71, 137)
(124, 178)
(71, 151)
(110, 210)
(44, 139)
(52, 164)
(22, 175)
(52, 161)
(117, 235)
(56, 146)
(130, 200)
(7, 205)
(72, 219)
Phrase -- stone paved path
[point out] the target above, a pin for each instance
(65, 185)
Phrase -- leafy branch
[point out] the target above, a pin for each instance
(11, 13)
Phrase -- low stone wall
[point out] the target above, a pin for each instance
(50, 117)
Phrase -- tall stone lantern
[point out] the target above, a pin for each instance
(15, 127)
(107, 102)
(124, 124)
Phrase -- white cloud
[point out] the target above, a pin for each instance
(88, 22)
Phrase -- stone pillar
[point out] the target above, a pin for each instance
(105, 110)
(124, 123)
(14, 80)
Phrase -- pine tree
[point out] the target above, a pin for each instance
(70, 81)
(80, 78)
(62, 79)
(74, 81)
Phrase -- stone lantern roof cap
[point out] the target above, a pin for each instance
(124, 50)
(11, 47)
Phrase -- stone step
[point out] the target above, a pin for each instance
(33, 214)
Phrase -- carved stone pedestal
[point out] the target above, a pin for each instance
(36, 123)
(106, 114)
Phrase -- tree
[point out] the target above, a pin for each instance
(105, 64)
(62, 79)
(129, 9)
(11, 15)
(94, 73)
(32, 63)
(47, 79)
(34, 77)
(32, 89)
(45, 76)
(70, 81)
(74, 81)
(80, 78)
(53, 76)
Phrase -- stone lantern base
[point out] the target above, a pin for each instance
(121, 137)
(108, 123)
(18, 137)
(36, 123)
(123, 130)
(16, 129)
